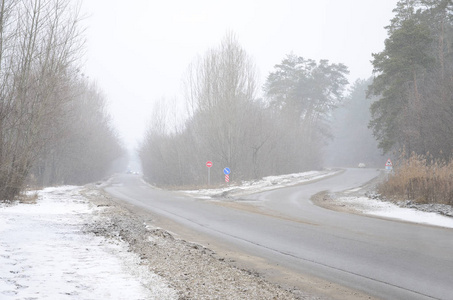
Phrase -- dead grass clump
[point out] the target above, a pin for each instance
(420, 178)
(28, 198)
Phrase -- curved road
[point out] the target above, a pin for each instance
(382, 258)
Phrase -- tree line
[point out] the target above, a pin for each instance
(409, 101)
(53, 124)
(414, 112)
(414, 80)
(227, 124)
(352, 141)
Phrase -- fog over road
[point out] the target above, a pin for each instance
(383, 258)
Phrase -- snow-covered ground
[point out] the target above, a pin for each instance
(389, 210)
(45, 254)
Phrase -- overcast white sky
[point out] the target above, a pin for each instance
(139, 50)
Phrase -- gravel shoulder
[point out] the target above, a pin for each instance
(207, 269)
(191, 269)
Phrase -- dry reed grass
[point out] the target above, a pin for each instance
(420, 178)
(28, 198)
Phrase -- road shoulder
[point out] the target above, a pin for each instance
(201, 267)
(193, 270)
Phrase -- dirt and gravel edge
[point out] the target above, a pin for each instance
(197, 272)
(194, 271)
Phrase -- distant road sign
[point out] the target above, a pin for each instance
(227, 178)
(388, 165)
(209, 164)
(226, 171)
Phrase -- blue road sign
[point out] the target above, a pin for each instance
(226, 171)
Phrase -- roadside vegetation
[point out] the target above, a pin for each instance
(226, 122)
(420, 178)
(414, 84)
(304, 106)
(53, 124)
(414, 81)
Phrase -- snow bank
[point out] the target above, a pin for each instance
(44, 254)
(389, 210)
(265, 184)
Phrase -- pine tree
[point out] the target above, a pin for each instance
(407, 113)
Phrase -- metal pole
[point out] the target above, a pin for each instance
(209, 177)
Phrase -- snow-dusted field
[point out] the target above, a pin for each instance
(44, 254)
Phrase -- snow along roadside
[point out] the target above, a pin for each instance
(265, 184)
(390, 210)
(355, 200)
(79, 243)
(364, 200)
(44, 254)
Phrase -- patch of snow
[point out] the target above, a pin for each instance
(44, 254)
(389, 210)
(265, 184)
(365, 205)
(353, 190)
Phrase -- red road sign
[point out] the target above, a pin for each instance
(209, 164)
(227, 178)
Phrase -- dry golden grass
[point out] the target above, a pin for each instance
(28, 198)
(420, 178)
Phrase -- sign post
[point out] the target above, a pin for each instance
(209, 165)
(227, 172)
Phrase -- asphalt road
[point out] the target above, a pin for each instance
(383, 258)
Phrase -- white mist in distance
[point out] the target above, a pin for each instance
(139, 52)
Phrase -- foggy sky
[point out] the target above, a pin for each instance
(138, 51)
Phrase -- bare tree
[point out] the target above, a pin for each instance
(40, 41)
(225, 87)
(225, 124)
(86, 145)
